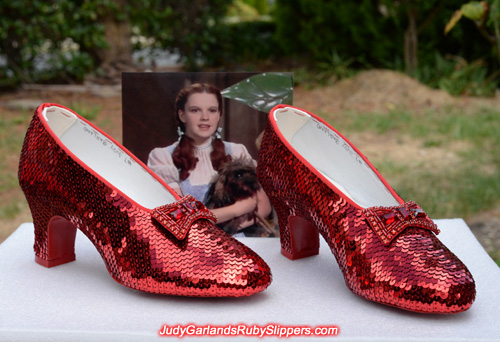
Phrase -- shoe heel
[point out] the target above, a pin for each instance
(304, 239)
(54, 239)
(299, 238)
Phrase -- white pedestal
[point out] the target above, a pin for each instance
(79, 301)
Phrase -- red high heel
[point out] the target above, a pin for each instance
(75, 176)
(319, 183)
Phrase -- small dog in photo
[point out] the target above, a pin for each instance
(237, 180)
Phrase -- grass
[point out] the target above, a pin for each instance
(88, 112)
(457, 193)
(468, 186)
(10, 210)
(460, 191)
(13, 127)
(449, 123)
(8, 126)
(12, 130)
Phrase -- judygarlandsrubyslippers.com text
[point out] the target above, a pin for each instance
(271, 329)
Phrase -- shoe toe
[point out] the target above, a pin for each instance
(249, 273)
(425, 276)
(207, 263)
(244, 272)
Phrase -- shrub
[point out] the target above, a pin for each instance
(34, 39)
(372, 32)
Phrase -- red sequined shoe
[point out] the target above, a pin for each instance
(386, 248)
(76, 176)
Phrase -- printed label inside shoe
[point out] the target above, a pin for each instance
(330, 154)
(108, 160)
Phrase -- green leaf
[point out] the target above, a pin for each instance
(473, 10)
(453, 21)
(262, 91)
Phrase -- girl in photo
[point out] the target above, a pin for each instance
(189, 165)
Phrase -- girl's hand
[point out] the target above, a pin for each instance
(241, 207)
(245, 206)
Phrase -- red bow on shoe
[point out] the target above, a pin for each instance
(388, 222)
(179, 216)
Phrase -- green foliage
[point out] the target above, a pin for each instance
(244, 42)
(262, 6)
(43, 40)
(469, 79)
(372, 32)
(243, 11)
(327, 71)
(61, 40)
(191, 28)
(474, 10)
(313, 28)
(336, 66)
(486, 17)
(458, 77)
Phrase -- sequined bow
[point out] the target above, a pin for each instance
(178, 217)
(388, 222)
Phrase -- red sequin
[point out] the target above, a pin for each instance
(414, 271)
(178, 217)
(388, 222)
(138, 251)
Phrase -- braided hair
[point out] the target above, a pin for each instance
(183, 155)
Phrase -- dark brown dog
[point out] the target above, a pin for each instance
(237, 180)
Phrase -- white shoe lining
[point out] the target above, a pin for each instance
(107, 159)
(334, 158)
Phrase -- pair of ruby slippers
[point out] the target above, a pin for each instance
(76, 176)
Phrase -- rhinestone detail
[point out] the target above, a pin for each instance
(414, 272)
(388, 222)
(178, 217)
(137, 251)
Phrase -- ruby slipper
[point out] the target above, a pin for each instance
(387, 249)
(76, 176)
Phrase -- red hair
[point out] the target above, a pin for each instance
(183, 155)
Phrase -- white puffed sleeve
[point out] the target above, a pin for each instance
(160, 161)
(240, 151)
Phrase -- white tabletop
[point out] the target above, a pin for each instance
(79, 301)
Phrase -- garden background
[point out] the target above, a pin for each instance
(413, 84)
